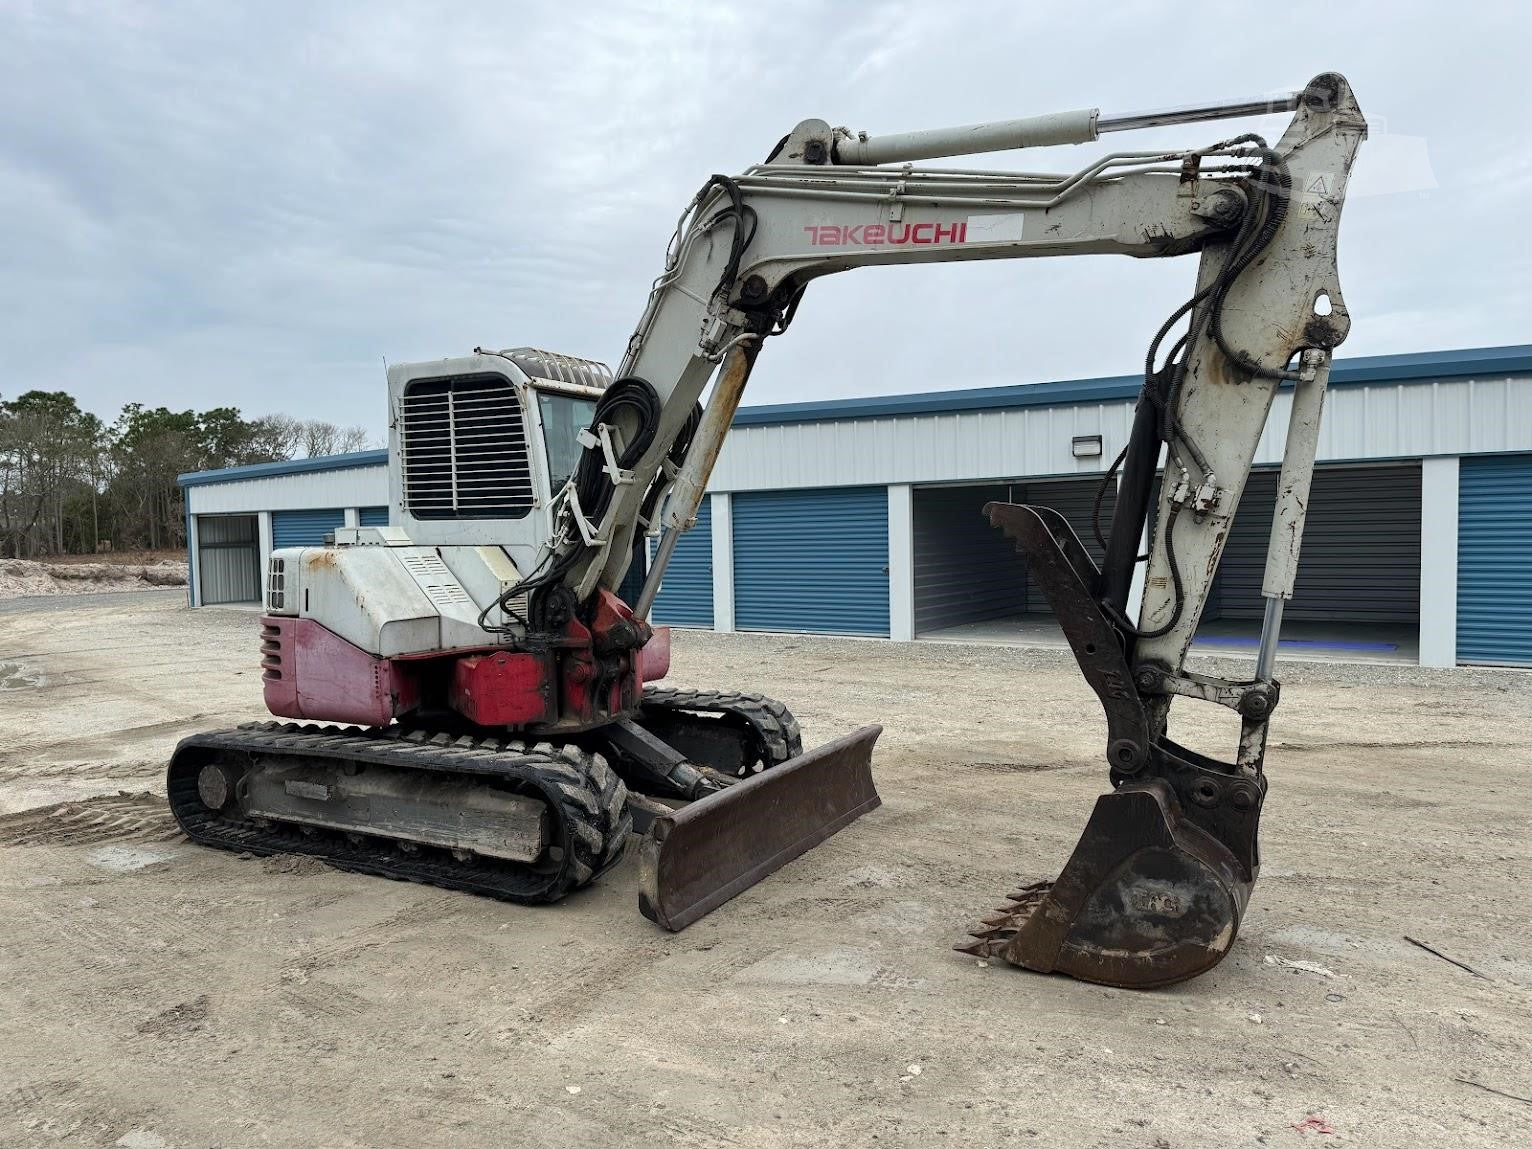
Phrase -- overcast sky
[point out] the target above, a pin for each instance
(257, 204)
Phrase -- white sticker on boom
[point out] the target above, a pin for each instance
(995, 228)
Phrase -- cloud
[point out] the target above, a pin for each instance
(257, 204)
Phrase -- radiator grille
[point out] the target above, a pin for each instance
(464, 449)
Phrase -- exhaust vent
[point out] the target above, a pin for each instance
(539, 364)
(463, 449)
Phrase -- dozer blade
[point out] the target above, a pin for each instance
(1147, 899)
(693, 860)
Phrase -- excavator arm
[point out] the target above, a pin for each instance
(746, 248)
(1156, 889)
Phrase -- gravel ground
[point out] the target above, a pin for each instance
(163, 995)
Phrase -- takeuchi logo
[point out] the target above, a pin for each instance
(886, 234)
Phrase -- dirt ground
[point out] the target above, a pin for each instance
(162, 996)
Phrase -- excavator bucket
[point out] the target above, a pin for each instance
(697, 857)
(1146, 900)
(1154, 891)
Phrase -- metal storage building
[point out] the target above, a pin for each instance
(862, 516)
(237, 516)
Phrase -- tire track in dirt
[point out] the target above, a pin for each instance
(1324, 747)
(60, 1111)
(323, 1001)
(83, 771)
(17, 751)
(342, 949)
(121, 817)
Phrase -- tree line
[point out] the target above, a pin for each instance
(71, 483)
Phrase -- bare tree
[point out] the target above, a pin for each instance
(320, 438)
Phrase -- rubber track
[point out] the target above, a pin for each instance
(588, 802)
(775, 727)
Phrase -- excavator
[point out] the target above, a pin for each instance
(469, 701)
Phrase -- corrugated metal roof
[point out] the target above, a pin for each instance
(289, 467)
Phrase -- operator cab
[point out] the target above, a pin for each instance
(481, 445)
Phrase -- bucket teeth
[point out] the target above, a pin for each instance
(1000, 925)
(986, 943)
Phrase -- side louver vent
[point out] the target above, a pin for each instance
(464, 450)
(271, 652)
(433, 577)
(276, 586)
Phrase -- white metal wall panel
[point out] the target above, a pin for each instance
(351, 487)
(1495, 560)
(936, 448)
(1371, 421)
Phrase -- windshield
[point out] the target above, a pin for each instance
(564, 417)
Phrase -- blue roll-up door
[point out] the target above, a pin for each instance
(304, 528)
(633, 582)
(812, 560)
(372, 516)
(1495, 560)
(686, 594)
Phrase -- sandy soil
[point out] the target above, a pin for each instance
(161, 995)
